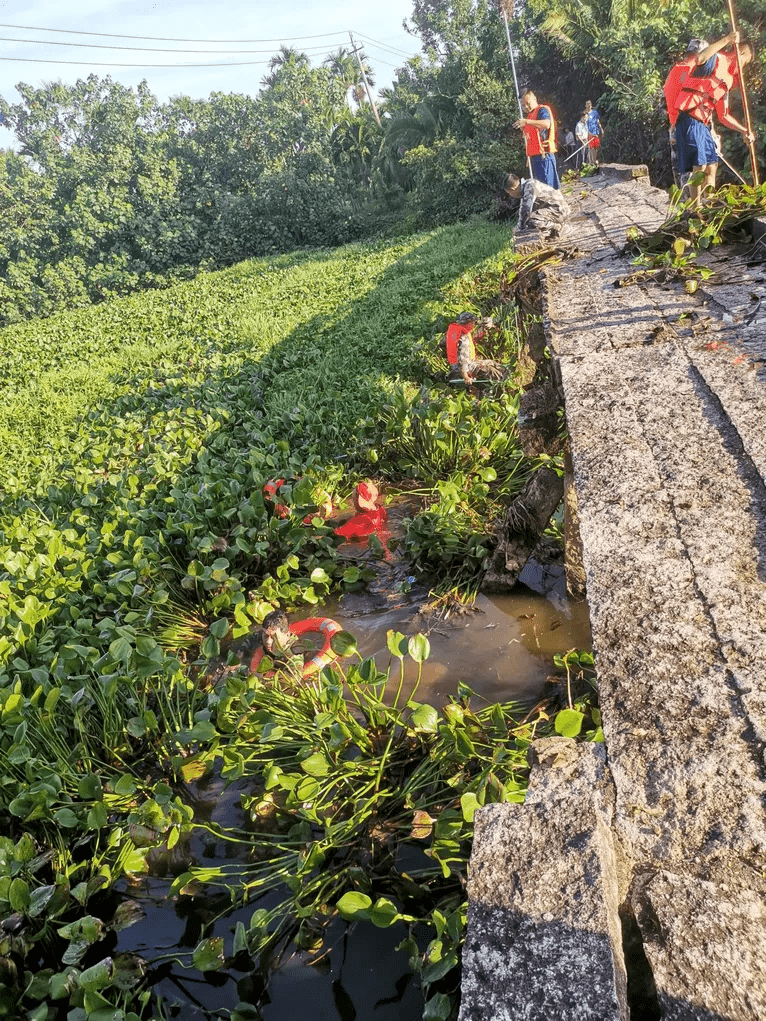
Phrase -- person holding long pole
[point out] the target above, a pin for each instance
(705, 91)
(539, 128)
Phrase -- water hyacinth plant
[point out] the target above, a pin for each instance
(136, 545)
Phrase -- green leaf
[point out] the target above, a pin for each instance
(39, 898)
(126, 785)
(568, 722)
(419, 648)
(384, 913)
(354, 906)
(438, 1008)
(19, 896)
(397, 644)
(63, 984)
(89, 787)
(344, 644)
(425, 718)
(208, 955)
(65, 817)
(98, 976)
(220, 628)
(240, 938)
(469, 803)
(315, 765)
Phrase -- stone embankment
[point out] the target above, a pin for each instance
(631, 882)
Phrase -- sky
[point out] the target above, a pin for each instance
(38, 38)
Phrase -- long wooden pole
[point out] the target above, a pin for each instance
(745, 104)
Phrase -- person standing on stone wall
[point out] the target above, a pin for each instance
(539, 128)
(706, 91)
(698, 53)
(581, 131)
(595, 132)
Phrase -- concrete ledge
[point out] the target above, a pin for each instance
(624, 171)
(543, 936)
(714, 931)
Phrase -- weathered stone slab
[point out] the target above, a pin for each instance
(688, 777)
(624, 171)
(665, 404)
(704, 942)
(543, 937)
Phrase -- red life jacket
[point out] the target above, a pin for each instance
(678, 74)
(699, 96)
(536, 145)
(454, 332)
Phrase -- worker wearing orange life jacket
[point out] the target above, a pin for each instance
(705, 91)
(698, 52)
(461, 351)
(539, 128)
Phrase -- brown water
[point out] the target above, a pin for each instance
(504, 651)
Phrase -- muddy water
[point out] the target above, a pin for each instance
(504, 652)
(503, 649)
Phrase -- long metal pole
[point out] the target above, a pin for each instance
(515, 80)
(745, 104)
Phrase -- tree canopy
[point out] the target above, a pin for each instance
(111, 190)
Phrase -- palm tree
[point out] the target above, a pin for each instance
(287, 55)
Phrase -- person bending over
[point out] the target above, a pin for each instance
(704, 92)
(698, 52)
(461, 350)
(541, 207)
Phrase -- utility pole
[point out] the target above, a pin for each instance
(356, 52)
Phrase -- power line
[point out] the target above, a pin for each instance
(89, 63)
(162, 39)
(133, 49)
(382, 45)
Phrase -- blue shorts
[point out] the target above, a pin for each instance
(544, 169)
(694, 144)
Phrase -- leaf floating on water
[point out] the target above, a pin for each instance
(422, 826)
(127, 914)
(209, 954)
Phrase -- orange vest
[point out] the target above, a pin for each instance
(673, 84)
(700, 96)
(454, 332)
(536, 145)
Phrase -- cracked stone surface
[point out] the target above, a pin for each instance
(665, 397)
(714, 930)
(543, 898)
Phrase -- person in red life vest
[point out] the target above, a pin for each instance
(539, 128)
(461, 350)
(706, 91)
(698, 52)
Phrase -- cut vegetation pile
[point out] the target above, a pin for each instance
(135, 542)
